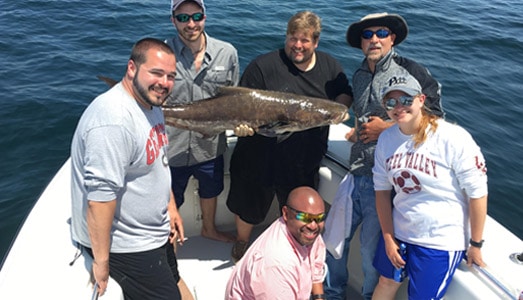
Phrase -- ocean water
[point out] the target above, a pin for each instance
(51, 52)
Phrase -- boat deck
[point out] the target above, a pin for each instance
(206, 272)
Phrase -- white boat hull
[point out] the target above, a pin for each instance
(38, 264)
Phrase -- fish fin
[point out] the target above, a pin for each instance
(232, 90)
(110, 82)
(206, 134)
(273, 125)
(284, 136)
(270, 130)
(267, 133)
(280, 130)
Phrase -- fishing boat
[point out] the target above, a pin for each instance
(45, 263)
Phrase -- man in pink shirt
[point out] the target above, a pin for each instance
(287, 260)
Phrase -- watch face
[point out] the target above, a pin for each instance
(164, 160)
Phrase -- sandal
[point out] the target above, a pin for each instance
(238, 250)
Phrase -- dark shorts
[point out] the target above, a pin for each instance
(430, 270)
(209, 175)
(262, 168)
(150, 274)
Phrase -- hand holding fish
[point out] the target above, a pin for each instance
(243, 130)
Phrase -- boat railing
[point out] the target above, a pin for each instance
(496, 280)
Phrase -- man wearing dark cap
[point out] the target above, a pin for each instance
(375, 35)
(204, 64)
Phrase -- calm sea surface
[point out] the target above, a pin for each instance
(51, 52)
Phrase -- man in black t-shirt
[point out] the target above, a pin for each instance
(261, 166)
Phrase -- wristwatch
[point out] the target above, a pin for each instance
(476, 244)
(318, 296)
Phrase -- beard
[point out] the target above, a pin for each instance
(307, 237)
(191, 36)
(299, 58)
(143, 92)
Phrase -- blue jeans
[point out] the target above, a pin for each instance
(364, 213)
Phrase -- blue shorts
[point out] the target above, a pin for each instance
(209, 175)
(430, 271)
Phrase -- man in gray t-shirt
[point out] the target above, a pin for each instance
(123, 212)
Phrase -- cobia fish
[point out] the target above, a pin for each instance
(269, 113)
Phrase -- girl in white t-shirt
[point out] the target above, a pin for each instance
(439, 205)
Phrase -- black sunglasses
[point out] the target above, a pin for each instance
(390, 103)
(184, 18)
(380, 33)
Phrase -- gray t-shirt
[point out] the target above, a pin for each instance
(118, 152)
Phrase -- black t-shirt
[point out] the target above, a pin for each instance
(293, 160)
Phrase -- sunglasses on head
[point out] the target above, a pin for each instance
(184, 18)
(390, 103)
(307, 217)
(380, 33)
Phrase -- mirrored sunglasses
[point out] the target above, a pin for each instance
(184, 18)
(308, 218)
(390, 103)
(380, 33)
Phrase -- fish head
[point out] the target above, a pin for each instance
(324, 112)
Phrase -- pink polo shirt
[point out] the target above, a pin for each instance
(276, 266)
